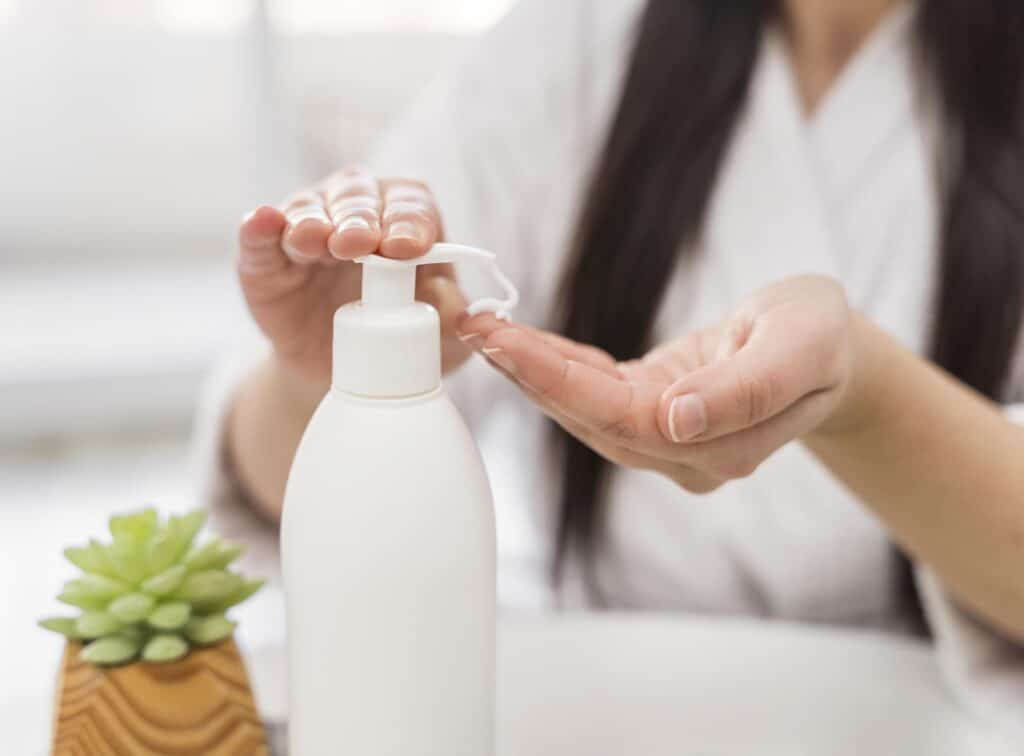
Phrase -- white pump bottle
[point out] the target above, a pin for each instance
(387, 540)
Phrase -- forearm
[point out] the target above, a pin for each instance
(941, 467)
(269, 413)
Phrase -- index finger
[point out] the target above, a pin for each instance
(626, 410)
(411, 220)
(354, 203)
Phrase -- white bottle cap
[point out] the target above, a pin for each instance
(388, 344)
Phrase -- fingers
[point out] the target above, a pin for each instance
(264, 270)
(621, 409)
(410, 218)
(352, 214)
(605, 445)
(476, 329)
(259, 242)
(304, 239)
(354, 204)
(589, 402)
(741, 390)
(738, 455)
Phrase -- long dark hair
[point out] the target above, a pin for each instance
(687, 81)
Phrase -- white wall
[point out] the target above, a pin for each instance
(128, 156)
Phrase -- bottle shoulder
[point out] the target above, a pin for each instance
(353, 447)
(411, 425)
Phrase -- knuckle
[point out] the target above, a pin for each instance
(408, 211)
(624, 426)
(371, 216)
(345, 205)
(406, 184)
(755, 395)
(409, 192)
(552, 390)
(302, 199)
(351, 185)
(297, 215)
(621, 429)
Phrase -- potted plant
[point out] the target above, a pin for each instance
(150, 665)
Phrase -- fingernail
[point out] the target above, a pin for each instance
(687, 417)
(407, 230)
(500, 357)
(291, 250)
(353, 222)
(472, 339)
(287, 246)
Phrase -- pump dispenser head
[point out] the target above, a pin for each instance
(388, 345)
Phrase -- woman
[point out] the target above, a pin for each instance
(746, 223)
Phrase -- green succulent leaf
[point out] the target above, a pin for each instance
(101, 586)
(128, 560)
(63, 625)
(229, 552)
(97, 624)
(163, 550)
(152, 590)
(211, 629)
(90, 558)
(165, 648)
(186, 527)
(215, 554)
(134, 526)
(74, 596)
(117, 649)
(92, 591)
(172, 616)
(165, 582)
(208, 588)
(132, 607)
(247, 589)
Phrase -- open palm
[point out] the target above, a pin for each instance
(704, 408)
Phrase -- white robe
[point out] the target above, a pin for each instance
(507, 143)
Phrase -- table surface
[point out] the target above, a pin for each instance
(608, 685)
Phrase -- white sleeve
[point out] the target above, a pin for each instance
(216, 488)
(984, 670)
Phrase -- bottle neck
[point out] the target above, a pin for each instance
(384, 352)
(386, 401)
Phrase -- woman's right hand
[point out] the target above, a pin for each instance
(295, 264)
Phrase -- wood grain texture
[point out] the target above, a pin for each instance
(199, 706)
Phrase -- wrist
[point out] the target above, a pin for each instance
(857, 406)
(298, 390)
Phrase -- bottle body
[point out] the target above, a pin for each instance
(388, 556)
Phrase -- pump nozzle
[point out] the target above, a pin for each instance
(390, 282)
(388, 345)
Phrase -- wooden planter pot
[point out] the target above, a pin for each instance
(200, 705)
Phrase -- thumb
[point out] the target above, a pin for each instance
(752, 385)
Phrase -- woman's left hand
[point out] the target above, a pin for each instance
(702, 409)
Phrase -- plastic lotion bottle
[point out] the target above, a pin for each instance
(387, 540)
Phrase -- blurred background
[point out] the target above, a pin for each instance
(133, 136)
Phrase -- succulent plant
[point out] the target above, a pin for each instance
(152, 592)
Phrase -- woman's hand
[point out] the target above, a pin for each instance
(707, 407)
(295, 264)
